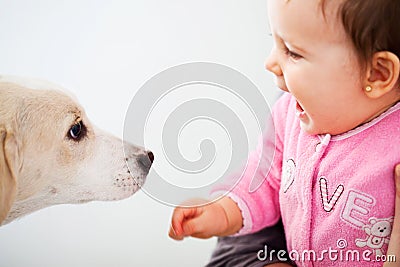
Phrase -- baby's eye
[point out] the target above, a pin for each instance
(293, 55)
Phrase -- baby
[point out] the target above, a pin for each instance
(336, 142)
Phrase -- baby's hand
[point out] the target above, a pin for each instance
(215, 219)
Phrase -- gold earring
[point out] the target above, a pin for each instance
(368, 88)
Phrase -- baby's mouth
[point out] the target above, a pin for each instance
(299, 110)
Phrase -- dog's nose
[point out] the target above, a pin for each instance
(151, 156)
(145, 160)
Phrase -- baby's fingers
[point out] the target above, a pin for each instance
(172, 234)
(199, 227)
(178, 218)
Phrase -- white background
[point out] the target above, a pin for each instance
(103, 51)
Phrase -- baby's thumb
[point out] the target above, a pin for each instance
(195, 226)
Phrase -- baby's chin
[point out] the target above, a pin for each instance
(311, 129)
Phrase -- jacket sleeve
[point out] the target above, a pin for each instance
(256, 190)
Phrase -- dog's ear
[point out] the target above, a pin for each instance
(8, 183)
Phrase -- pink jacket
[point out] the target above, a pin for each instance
(335, 194)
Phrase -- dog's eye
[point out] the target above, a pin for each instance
(77, 131)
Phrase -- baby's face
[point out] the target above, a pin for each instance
(314, 60)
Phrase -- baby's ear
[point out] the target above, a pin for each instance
(382, 74)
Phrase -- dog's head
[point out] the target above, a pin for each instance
(51, 154)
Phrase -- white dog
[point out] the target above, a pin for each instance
(51, 154)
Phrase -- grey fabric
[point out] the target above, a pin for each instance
(241, 251)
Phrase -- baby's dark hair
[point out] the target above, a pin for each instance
(372, 25)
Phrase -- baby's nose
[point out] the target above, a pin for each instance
(272, 64)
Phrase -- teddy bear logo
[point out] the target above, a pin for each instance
(378, 234)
